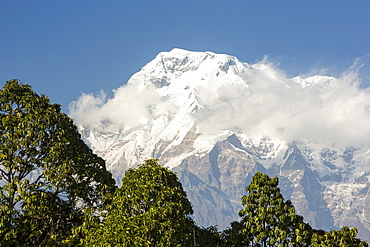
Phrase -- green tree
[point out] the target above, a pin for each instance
(346, 237)
(150, 209)
(48, 175)
(271, 220)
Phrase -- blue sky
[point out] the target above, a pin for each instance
(64, 48)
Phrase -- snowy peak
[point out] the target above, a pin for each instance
(172, 65)
(178, 60)
(314, 80)
(219, 93)
(217, 120)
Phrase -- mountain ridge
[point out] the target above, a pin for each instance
(216, 121)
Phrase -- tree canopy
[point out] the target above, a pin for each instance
(48, 175)
(345, 237)
(271, 220)
(150, 209)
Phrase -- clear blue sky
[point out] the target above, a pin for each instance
(64, 48)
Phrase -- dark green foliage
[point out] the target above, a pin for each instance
(150, 209)
(207, 237)
(48, 175)
(235, 236)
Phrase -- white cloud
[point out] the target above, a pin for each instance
(128, 108)
(331, 110)
(326, 109)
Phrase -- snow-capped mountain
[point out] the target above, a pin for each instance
(215, 121)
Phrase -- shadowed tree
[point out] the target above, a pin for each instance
(234, 236)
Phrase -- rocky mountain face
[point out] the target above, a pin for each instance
(201, 114)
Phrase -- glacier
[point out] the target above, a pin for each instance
(215, 121)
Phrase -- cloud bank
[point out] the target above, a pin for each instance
(321, 108)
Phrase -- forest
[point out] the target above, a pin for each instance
(54, 191)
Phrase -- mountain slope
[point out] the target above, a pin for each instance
(216, 121)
